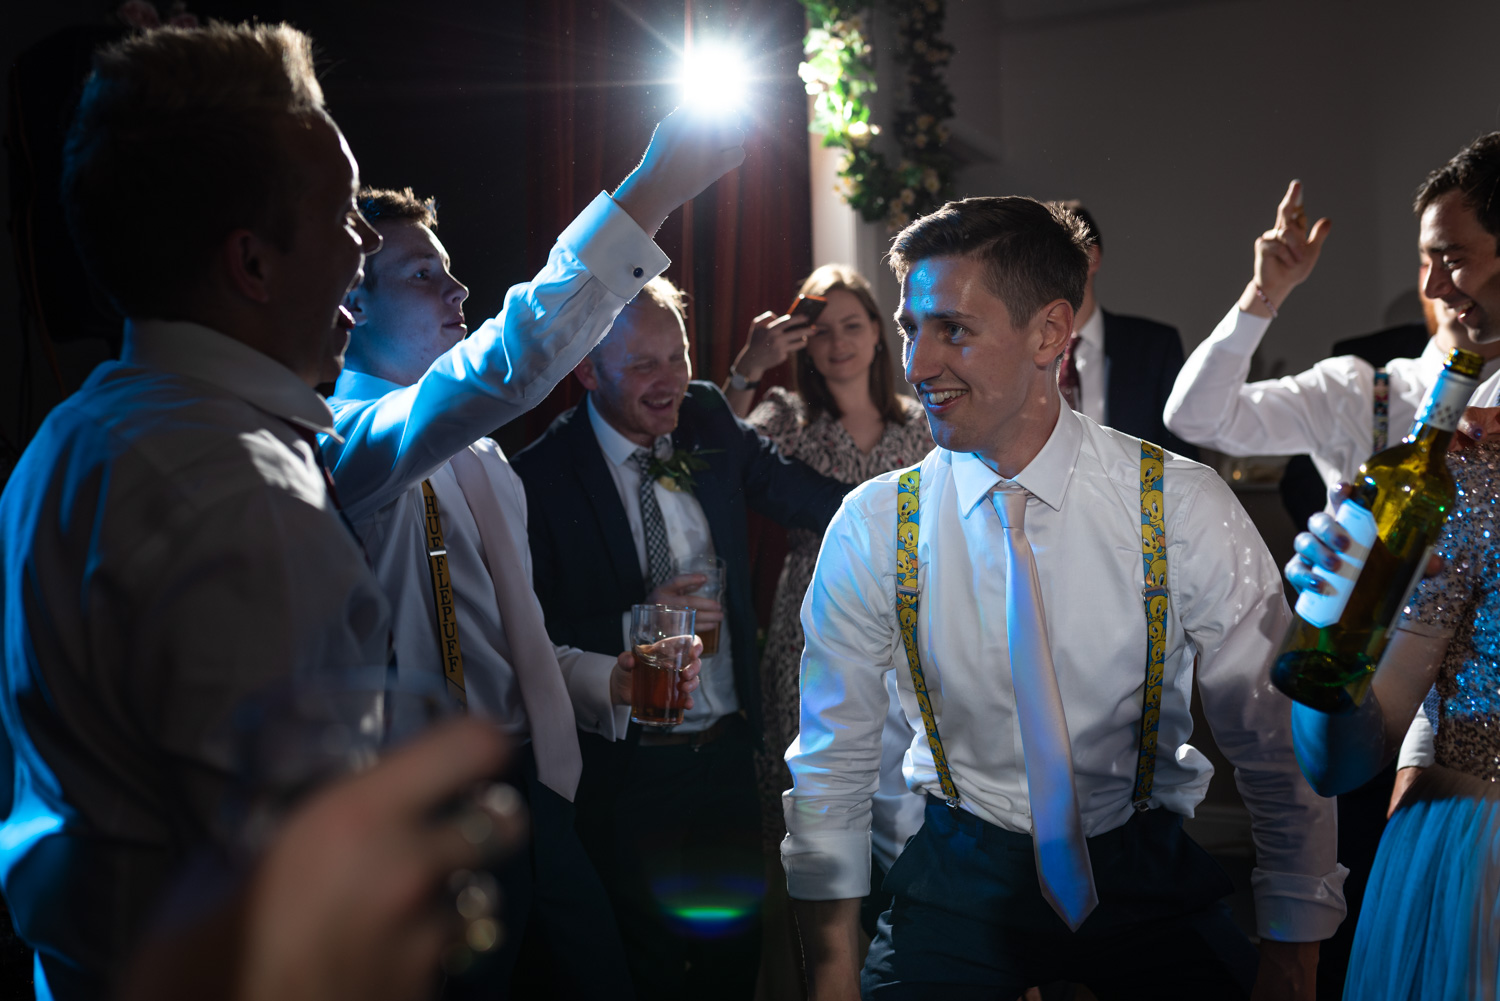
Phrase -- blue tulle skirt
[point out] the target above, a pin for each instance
(1429, 927)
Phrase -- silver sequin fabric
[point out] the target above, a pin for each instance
(1464, 602)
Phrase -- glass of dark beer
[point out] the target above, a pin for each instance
(661, 637)
(713, 570)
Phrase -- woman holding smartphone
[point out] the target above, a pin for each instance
(843, 417)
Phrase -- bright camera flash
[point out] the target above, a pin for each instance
(714, 78)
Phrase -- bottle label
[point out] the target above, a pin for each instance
(1445, 402)
(1323, 610)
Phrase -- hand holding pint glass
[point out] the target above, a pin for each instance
(712, 570)
(661, 637)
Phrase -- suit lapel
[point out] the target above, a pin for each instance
(604, 498)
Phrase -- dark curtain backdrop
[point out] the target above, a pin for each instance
(597, 80)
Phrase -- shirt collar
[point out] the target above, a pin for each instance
(198, 352)
(354, 385)
(616, 447)
(1092, 332)
(1046, 476)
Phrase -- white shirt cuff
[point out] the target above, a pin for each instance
(1416, 747)
(588, 687)
(1239, 332)
(614, 248)
(833, 865)
(1291, 907)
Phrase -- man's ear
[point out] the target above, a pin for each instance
(354, 302)
(584, 370)
(247, 264)
(1096, 257)
(1055, 326)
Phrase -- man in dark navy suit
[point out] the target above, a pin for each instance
(652, 470)
(1119, 370)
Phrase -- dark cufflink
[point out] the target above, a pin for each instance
(638, 272)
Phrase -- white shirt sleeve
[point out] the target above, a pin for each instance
(1326, 410)
(848, 618)
(1228, 592)
(1416, 748)
(503, 369)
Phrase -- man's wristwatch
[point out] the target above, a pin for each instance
(737, 381)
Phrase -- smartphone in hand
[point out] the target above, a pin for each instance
(808, 307)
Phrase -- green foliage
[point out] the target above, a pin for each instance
(840, 71)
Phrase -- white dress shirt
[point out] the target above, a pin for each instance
(395, 436)
(1327, 412)
(1083, 521)
(1093, 375)
(688, 535)
(397, 544)
(169, 550)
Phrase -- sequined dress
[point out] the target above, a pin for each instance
(825, 446)
(1430, 923)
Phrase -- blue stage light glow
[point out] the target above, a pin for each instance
(714, 78)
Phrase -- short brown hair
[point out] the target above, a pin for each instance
(392, 205)
(389, 205)
(1474, 171)
(1090, 226)
(176, 143)
(1033, 253)
(659, 291)
(809, 383)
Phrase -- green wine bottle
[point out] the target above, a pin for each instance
(1402, 498)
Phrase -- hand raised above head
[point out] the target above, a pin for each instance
(1286, 254)
(688, 152)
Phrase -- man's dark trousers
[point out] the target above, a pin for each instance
(969, 921)
(561, 942)
(677, 843)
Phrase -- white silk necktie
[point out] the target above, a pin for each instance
(1062, 855)
(549, 710)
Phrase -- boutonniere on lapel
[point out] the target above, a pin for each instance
(673, 468)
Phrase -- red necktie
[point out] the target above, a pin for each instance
(1067, 374)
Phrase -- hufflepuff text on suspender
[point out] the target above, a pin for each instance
(1153, 593)
(442, 598)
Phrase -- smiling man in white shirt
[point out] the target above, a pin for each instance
(1033, 652)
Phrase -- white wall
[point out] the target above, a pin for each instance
(1179, 124)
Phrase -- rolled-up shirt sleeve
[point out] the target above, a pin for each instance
(1228, 591)
(500, 371)
(848, 618)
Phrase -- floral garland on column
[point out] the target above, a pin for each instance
(840, 71)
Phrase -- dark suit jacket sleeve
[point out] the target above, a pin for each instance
(781, 488)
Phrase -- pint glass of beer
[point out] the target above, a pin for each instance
(712, 568)
(661, 636)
